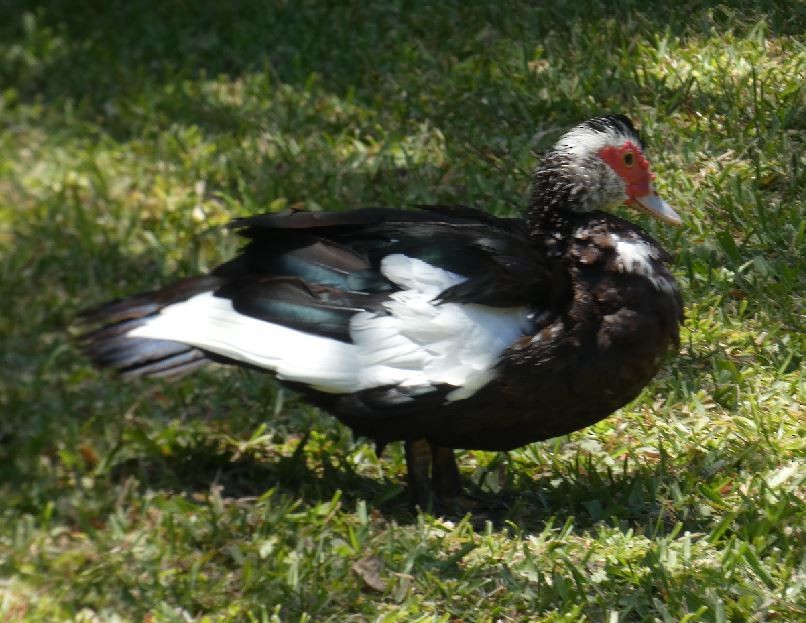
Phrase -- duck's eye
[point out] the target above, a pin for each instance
(629, 159)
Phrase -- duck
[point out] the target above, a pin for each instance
(443, 327)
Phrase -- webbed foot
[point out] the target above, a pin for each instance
(435, 485)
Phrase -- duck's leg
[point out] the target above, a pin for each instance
(445, 474)
(435, 484)
(447, 484)
(418, 464)
(433, 476)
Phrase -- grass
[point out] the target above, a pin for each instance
(132, 131)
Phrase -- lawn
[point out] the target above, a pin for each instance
(131, 132)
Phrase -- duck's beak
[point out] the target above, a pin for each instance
(657, 207)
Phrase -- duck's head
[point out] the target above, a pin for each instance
(596, 165)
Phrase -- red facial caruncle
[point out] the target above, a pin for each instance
(629, 162)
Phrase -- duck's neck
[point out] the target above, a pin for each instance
(556, 201)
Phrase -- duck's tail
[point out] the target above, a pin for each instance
(108, 342)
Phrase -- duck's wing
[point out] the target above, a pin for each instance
(345, 302)
(500, 265)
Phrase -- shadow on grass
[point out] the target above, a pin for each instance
(122, 65)
(586, 496)
(196, 469)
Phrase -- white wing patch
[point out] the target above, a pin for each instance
(210, 322)
(421, 342)
(417, 343)
(636, 256)
(633, 256)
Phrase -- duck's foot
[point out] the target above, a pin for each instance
(480, 507)
(435, 485)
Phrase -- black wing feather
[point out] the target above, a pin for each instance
(502, 266)
(315, 259)
(291, 302)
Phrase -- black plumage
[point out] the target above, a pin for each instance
(595, 307)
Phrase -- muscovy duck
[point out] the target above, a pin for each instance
(443, 327)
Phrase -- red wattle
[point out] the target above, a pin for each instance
(637, 176)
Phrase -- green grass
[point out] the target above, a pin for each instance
(132, 131)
